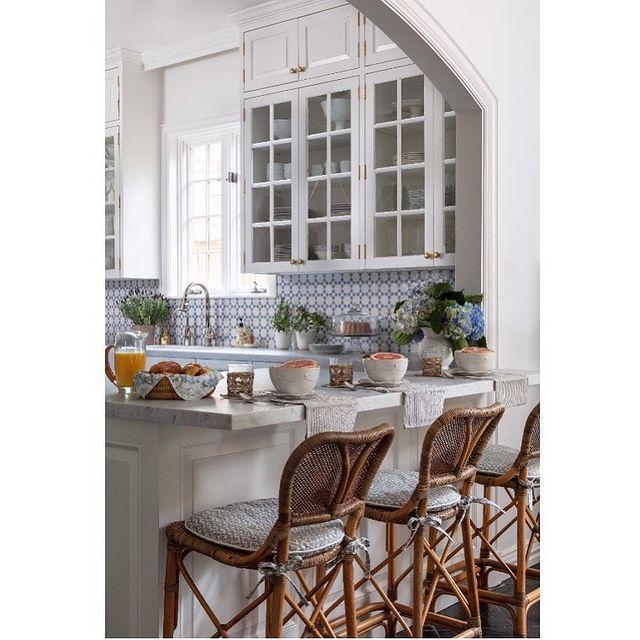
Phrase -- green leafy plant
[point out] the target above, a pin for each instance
(145, 308)
(282, 320)
(458, 317)
(305, 321)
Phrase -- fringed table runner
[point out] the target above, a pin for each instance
(511, 389)
(423, 403)
(330, 412)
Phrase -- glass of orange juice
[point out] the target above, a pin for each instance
(129, 358)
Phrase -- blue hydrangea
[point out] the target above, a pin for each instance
(477, 322)
(456, 321)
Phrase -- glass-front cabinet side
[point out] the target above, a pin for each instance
(400, 168)
(444, 182)
(111, 202)
(329, 212)
(271, 183)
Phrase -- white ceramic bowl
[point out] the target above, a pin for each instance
(296, 382)
(476, 361)
(387, 371)
(281, 128)
(339, 111)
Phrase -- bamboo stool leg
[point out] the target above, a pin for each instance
(417, 588)
(472, 585)
(521, 565)
(349, 597)
(391, 576)
(171, 585)
(275, 607)
(483, 577)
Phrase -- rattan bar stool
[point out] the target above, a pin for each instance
(517, 472)
(324, 481)
(427, 499)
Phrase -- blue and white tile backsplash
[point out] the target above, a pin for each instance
(373, 292)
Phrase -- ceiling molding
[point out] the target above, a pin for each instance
(279, 10)
(207, 45)
(114, 57)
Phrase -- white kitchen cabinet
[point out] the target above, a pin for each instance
(132, 185)
(112, 95)
(308, 47)
(407, 172)
(329, 209)
(271, 183)
(379, 47)
(328, 42)
(271, 55)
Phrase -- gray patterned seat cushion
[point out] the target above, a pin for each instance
(392, 488)
(497, 459)
(246, 525)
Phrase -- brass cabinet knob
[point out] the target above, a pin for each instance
(302, 68)
(437, 254)
(293, 70)
(292, 261)
(428, 256)
(300, 261)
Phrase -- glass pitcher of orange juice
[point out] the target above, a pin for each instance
(129, 357)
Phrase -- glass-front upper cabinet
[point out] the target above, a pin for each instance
(271, 183)
(329, 211)
(405, 167)
(111, 202)
(444, 247)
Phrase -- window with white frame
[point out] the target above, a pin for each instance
(202, 230)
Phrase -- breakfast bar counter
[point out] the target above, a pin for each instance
(169, 459)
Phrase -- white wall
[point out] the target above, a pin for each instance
(501, 38)
(203, 88)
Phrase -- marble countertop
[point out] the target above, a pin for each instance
(235, 415)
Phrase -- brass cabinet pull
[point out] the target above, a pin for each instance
(437, 254)
(292, 261)
(302, 68)
(300, 261)
(293, 70)
(428, 256)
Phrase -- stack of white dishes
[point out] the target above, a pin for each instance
(409, 157)
(340, 209)
(278, 171)
(281, 213)
(282, 252)
(416, 198)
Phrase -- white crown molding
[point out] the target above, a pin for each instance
(208, 122)
(278, 10)
(207, 45)
(114, 57)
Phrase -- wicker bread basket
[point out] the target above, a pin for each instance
(163, 390)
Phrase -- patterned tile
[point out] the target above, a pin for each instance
(374, 292)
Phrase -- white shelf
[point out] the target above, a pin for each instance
(392, 123)
(414, 165)
(386, 214)
(324, 134)
(408, 212)
(449, 207)
(449, 114)
(263, 185)
(391, 169)
(449, 161)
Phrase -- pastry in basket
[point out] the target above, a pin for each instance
(192, 369)
(166, 366)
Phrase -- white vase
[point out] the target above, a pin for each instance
(283, 339)
(304, 339)
(432, 339)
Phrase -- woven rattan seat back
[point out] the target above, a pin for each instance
(530, 445)
(329, 475)
(454, 444)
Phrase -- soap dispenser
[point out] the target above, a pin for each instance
(244, 335)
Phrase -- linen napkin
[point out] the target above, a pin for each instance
(512, 389)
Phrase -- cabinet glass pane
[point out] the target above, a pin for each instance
(317, 117)
(317, 241)
(261, 244)
(197, 162)
(109, 152)
(282, 121)
(386, 192)
(281, 162)
(317, 194)
(412, 143)
(386, 237)
(110, 254)
(260, 124)
(260, 204)
(340, 196)
(340, 240)
(340, 154)
(386, 98)
(450, 231)
(197, 234)
(109, 187)
(412, 97)
(197, 199)
(109, 220)
(317, 156)
(449, 185)
(340, 110)
(261, 165)
(413, 194)
(412, 235)
(450, 137)
(385, 147)
(282, 202)
(282, 243)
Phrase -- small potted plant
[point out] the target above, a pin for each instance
(281, 323)
(145, 310)
(305, 325)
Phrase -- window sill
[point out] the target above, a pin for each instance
(240, 294)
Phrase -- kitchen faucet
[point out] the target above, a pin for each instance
(209, 333)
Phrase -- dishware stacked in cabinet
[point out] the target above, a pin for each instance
(349, 159)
